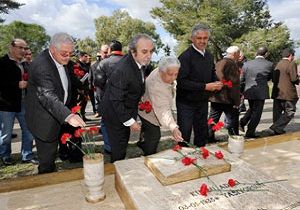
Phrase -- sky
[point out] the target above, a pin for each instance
(76, 17)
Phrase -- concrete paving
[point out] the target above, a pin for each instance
(70, 195)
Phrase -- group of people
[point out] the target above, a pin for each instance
(126, 93)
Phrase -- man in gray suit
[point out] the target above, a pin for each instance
(257, 72)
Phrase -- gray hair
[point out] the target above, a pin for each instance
(168, 61)
(61, 38)
(199, 27)
(136, 38)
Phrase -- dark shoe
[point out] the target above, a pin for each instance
(14, 135)
(183, 144)
(7, 161)
(251, 136)
(33, 161)
(276, 132)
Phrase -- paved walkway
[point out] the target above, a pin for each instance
(70, 195)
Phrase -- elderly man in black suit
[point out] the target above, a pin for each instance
(49, 92)
(123, 93)
(257, 72)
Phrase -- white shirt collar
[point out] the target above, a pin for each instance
(58, 65)
(139, 65)
(259, 56)
(200, 51)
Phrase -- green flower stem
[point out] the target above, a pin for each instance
(77, 147)
(265, 182)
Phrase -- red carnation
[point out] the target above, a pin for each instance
(25, 76)
(188, 161)
(78, 133)
(177, 147)
(76, 109)
(229, 84)
(205, 152)
(94, 130)
(203, 189)
(65, 137)
(218, 126)
(219, 155)
(210, 121)
(231, 182)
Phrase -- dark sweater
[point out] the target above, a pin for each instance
(196, 70)
(10, 93)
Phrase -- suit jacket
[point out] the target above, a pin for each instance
(160, 95)
(10, 93)
(227, 69)
(256, 75)
(123, 92)
(45, 109)
(285, 78)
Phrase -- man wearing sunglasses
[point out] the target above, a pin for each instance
(48, 97)
(12, 93)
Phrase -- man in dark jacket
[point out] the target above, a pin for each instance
(196, 79)
(227, 100)
(49, 93)
(12, 92)
(284, 92)
(257, 72)
(102, 74)
(123, 93)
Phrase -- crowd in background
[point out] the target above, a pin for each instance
(130, 96)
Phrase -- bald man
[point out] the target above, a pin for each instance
(12, 92)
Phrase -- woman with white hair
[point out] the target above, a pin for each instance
(160, 90)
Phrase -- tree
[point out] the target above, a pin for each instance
(87, 45)
(228, 19)
(122, 27)
(6, 5)
(35, 36)
(276, 39)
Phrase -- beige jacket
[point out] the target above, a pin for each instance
(160, 95)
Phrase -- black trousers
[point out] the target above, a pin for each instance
(231, 114)
(252, 116)
(46, 152)
(193, 117)
(149, 137)
(283, 112)
(118, 136)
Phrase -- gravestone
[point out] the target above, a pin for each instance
(168, 168)
(140, 189)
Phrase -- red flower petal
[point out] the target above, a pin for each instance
(188, 161)
(219, 155)
(210, 121)
(76, 109)
(205, 152)
(177, 147)
(203, 189)
(231, 182)
(65, 137)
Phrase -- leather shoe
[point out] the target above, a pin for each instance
(33, 161)
(251, 136)
(7, 161)
(14, 135)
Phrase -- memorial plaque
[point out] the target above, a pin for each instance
(139, 189)
(168, 168)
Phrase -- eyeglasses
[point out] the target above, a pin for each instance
(66, 54)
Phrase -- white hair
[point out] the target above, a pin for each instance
(168, 61)
(61, 38)
(232, 49)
